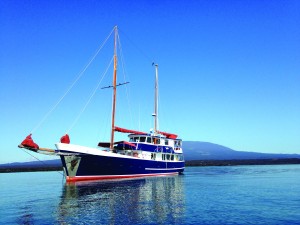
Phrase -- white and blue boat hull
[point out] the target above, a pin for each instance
(82, 163)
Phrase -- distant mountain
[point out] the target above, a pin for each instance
(196, 150)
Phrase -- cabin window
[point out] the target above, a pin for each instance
(149, 139)
(172, 157)
(168, 157)
(154, 140)
(163, 157)
(180, 157)
(153, 156)
(142, 139)
(136, 139)
(177, 143)
(166, 142)
(131, 139)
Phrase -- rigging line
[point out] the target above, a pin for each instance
(72, 85)
(139, 49)
(158, 103)
(92, 95)
(124, 75)
(40, 161)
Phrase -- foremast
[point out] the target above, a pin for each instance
(114, 91)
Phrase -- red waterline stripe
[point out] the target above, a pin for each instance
(109, 177)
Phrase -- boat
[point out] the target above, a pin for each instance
(145, 154)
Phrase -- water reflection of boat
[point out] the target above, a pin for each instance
(158, 200)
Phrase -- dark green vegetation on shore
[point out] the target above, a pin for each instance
(238, 162)
(30, 169)
(12, 169)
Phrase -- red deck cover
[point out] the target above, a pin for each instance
(28, 142)
(168, 135)
(123, 130)
(65, 139)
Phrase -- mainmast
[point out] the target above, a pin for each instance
(155, 114)
(114, 91)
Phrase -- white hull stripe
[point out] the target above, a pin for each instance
(105, 177)
(164, 168)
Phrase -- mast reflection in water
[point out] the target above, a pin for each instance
(156, 200)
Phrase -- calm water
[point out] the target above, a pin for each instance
(203, 195)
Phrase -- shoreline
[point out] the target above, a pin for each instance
(30, 169)
(189, 163)
(241, 162)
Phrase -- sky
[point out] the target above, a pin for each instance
(229, 72)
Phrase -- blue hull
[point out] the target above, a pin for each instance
(94, 167)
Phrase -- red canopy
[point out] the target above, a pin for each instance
(123, 130)
(65, 139)
(168, 135)
(28, 142)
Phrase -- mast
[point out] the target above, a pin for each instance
(155, 114)
(114, 91)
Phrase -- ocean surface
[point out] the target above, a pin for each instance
(203, 195)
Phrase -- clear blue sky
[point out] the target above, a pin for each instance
(229, 71)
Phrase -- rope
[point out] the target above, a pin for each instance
(40, 161)
(158, 103)
(139, 49)
(68, 90)
(124, 74)
(142, 53)
(90, 98)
